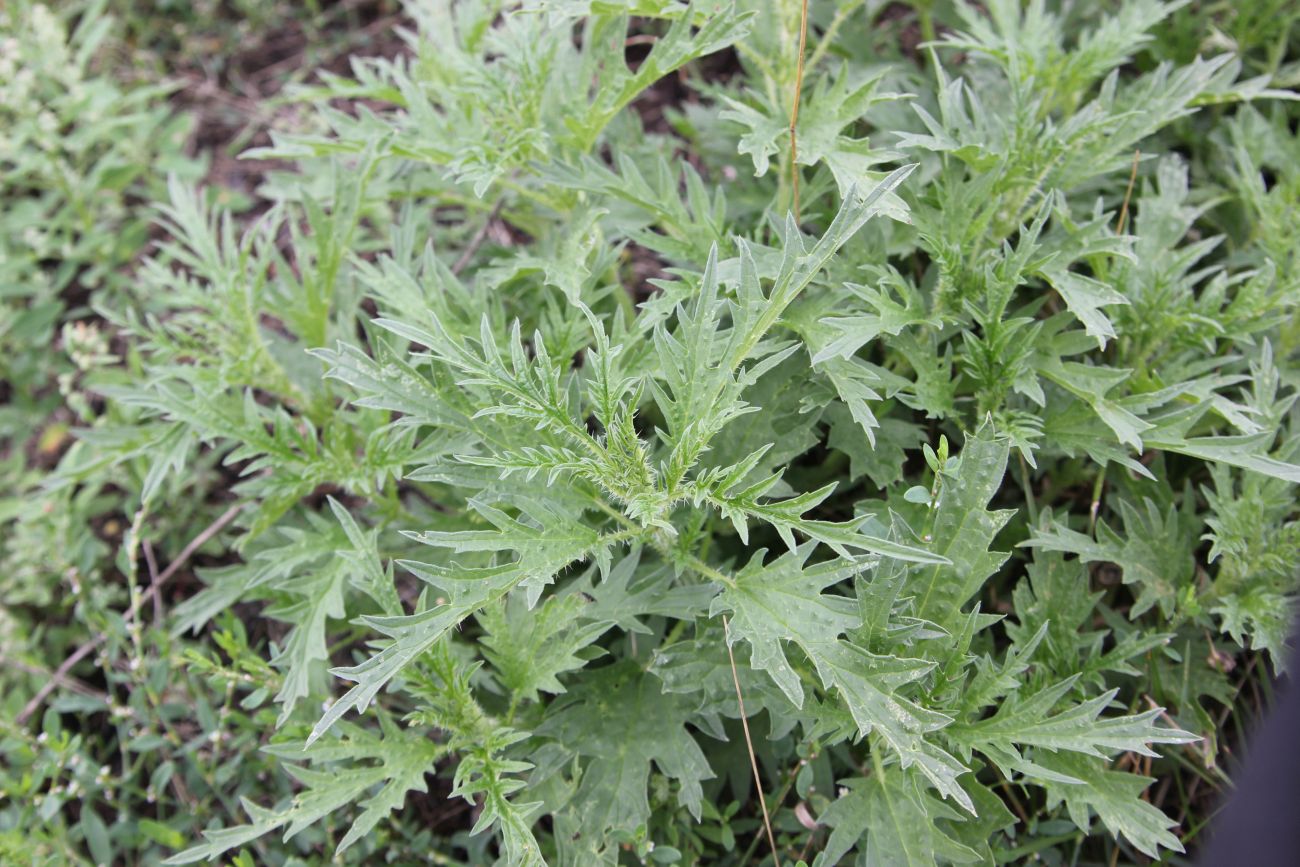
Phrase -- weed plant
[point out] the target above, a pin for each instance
(646, 431)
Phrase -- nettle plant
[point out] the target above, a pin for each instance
(916, 472)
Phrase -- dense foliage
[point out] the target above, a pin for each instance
(626, 432)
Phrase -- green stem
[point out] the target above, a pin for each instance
(1095, 506)
(1025, 482)
(832, 30)
(877, 766)
(706, 570)
(926, 16)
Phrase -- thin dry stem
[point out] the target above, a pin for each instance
(477, 241)
(153, 579)
(749, 743)
(60, 676)
(1128, 194)
(155, 588)
(69, 683)
(195, 544)
(1005, 784)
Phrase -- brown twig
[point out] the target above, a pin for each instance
(479, 237)
(794, 112)
(1005, 784)
(1230, 706)
(1163, 790)
(70, 683)
(60, 675)
(153, 579)
(195, 544)
(812, 833)
(1128, 194)
(154, 589)
(749, 744)
(1163, 714)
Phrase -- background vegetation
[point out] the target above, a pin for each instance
(642, 431)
